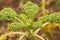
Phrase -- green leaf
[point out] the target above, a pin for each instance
(8, 14)
(30, 9)
(54, 17)
(23, 17)
(16, 26)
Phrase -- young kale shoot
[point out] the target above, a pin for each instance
(29, 11)
(24, 20)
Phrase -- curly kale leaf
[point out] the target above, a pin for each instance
(16, 26)
(20, 26)
(30, 9)
(26, 19)
(55, 17)
(23, 17)
(7, 14)
(35, 25)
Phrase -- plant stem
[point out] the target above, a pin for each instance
(39, 36)
(19, 20)
(31, 31)
(22, 36)
(37, 30)
(3, 37)
(15, 33)
(31, 36)
(43, 7)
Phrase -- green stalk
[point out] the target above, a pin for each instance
(31, 37)
(19, 20)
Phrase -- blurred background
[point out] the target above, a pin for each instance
(17, 4)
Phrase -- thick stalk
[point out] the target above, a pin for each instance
(15, 33)
(38, 36)
(19, 20)
(31, 36)
(22, 36)
(37, 30)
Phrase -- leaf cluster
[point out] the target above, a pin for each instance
(7, 14)
(53, 18)
(29, 10)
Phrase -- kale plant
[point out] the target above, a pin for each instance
(24, 21)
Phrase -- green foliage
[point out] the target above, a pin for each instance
(23, 17)
(31, 25)
(35, 25)
(26, 19)
(30, 9)
(30, 36)
(57, 3)
(55, 17)
(16, 26)
(7, 14)
(28, 22)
